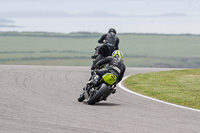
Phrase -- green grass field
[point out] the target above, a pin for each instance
(179, 86)
(140, 50)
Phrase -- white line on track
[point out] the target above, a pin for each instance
(128, 90)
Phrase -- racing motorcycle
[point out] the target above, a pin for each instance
(98, 89)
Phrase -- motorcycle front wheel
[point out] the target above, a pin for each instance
(82, 97)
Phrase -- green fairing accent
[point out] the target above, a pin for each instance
(109, 78)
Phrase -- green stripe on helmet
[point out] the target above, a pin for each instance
(115, 53)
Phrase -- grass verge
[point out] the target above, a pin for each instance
(180, 87)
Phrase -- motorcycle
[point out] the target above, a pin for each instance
(98, 89)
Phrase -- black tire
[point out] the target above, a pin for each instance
(81, 98)
(98, 95)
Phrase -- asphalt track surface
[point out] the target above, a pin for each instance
(43, 99)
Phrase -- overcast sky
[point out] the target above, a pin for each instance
(122, 7)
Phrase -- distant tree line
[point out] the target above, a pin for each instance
(77, 34)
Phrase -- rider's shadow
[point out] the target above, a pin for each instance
(103, 104)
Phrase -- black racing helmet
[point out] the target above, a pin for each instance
(112, 30)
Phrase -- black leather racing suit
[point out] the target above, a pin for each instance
(104, 38)
(115, 66)
(111, 40)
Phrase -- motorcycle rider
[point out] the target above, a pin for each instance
(109, 39)
(115, 65)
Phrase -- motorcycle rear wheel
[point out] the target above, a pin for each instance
(96, 97)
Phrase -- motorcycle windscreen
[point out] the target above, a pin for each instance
(109, 78)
